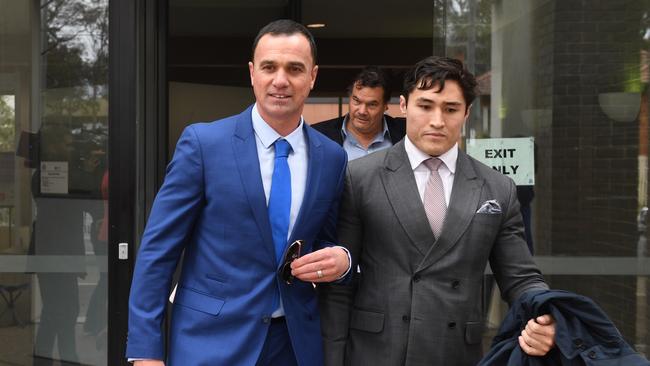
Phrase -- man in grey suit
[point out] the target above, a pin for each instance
(422, 219)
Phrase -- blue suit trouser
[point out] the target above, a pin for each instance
(277, 350)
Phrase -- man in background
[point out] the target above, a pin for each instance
(365, 128)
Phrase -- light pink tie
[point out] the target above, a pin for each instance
(434, 197)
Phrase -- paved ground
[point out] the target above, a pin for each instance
(16, 347)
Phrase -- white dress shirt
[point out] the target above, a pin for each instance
(447, 170)
(265, 136)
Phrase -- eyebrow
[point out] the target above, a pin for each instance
(451, 103)
(365, 101)
(296, 63)
(290, 63)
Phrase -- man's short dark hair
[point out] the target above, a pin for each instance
(371, 77)
(286, 27)
(435, 70)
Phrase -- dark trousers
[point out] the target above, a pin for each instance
(277, 350)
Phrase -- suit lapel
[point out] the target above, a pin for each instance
(245, 151)
(403, 196)
(314, 169)
(462, 207)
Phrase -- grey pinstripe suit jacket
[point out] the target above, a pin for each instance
(417, 299)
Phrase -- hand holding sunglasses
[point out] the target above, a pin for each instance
(324, 265)
(291, 254)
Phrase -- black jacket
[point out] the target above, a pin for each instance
(584, 334)
(332, 128)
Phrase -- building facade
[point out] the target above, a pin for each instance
(94, 94)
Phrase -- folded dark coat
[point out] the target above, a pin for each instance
(584, 334)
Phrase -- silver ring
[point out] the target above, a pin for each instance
(319, 273)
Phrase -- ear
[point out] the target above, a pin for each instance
(314, 72)
(402, 104)
(251, 69)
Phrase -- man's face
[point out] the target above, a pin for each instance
(367, 109)
(282, 74)
(434, 119)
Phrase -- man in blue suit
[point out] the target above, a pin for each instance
(219, 204)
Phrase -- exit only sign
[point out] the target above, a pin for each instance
(514, 157)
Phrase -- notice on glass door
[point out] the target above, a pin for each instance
(514, 157)
(54, 177)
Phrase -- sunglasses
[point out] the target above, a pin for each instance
(291, 254)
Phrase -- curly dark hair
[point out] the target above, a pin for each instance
(434, 70)
(371, 77)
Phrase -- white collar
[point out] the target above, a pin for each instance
(417, 156)
(268, 135)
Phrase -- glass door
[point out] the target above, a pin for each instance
(53, 182)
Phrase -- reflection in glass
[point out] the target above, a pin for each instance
(53, 131)
(7, 122)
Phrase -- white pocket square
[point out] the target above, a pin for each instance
(489, 207)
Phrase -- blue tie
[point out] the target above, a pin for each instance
(280, 198)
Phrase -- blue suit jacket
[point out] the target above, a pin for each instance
(212, 205)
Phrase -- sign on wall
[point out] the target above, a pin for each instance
(514, 157)
(54, 177)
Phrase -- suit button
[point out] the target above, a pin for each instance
(266, 319)
(416, 278)
(455, 284)
(451, 325)
(406, 318)
(592, 354)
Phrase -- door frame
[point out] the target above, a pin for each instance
(122, 116)
(137, 128)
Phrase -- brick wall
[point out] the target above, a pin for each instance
(594, 171)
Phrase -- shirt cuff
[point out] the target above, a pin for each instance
(349, 262)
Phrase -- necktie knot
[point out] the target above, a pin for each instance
(433, 164)
(282, 148)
